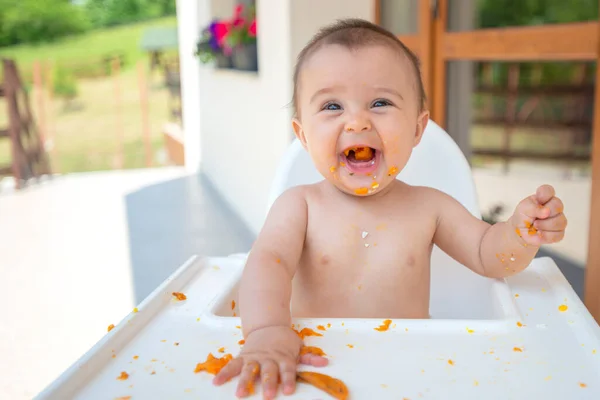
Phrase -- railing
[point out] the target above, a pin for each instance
(28, 157)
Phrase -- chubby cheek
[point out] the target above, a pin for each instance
(322, 145)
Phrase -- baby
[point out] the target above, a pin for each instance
(360, 110)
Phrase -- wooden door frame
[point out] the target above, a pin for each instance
(435, 46)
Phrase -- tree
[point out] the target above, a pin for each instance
(117, 12)
(34, 21)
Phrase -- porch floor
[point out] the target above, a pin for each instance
(77, 253)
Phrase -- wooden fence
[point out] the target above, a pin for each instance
(28, 156)
(565, 107)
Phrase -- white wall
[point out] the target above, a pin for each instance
(245, 117)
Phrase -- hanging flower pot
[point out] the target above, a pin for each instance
(241, 38)
(245, 57)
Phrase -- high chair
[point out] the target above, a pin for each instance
(525, 337)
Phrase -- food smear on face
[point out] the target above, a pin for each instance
(232, 304)
(213, 365)
(392, 171)
(306, 332)
(332, 386)
(242, 342)
(361, 191)
(374, 185)
(385, 326)
(311, 350)
(360, 159)
(179, 296)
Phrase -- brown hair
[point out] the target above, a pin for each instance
(354, 33)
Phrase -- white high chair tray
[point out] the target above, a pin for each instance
(553, 355)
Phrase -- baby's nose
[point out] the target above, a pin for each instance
(358, 124)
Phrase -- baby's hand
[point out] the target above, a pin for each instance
(272, 353)
(539, 218)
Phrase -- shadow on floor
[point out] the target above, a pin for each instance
(574, 273)
(169, 222)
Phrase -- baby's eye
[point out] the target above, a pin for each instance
(381, 103)
(332, 107)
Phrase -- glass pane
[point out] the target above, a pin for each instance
(400, 17)
(523, 125)
(474, 14)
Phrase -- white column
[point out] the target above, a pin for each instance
(191, 16)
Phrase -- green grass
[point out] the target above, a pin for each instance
(86, 136)
(88, 47)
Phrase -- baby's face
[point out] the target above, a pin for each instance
(359, 115)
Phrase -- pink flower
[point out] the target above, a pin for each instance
(238, 21)
(252, 28)
(221, 31)
(239, 9)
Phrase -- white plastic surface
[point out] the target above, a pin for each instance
(560, 350)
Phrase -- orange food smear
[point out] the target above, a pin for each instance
(363, 153)
(362, 190)
(374, 185)
(563, 308)
(332, 386)
(385, 326)
(307, 332)
(519, 324)
(312, 350)
(221, 350)
(450, 362)
(241, 342)
(179, 296)
(111, 327)
(342, 164)
(135, 310)
(393, 171)
(213, 365)
(332, 169)
(232, 304)
(516, 294)
(320, 327)
(329, 325)
(518, 231)
(583, 385)
(350, 346)
(518, 349)
(136, 357)
(124, 375)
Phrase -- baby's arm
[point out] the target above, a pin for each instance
(505, 248)
(272, 347)
(266, 286)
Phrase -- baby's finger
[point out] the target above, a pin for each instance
(287, 371)
(544, 193)
(249, 374)
(314, 360)
(553, 224)
(269, 375)
(529, 208)
(233, 368)
(555, 205)
(551, 237)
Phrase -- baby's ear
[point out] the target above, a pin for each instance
(422, 121)
(297, 126)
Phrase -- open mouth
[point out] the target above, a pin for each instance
(361, 159)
